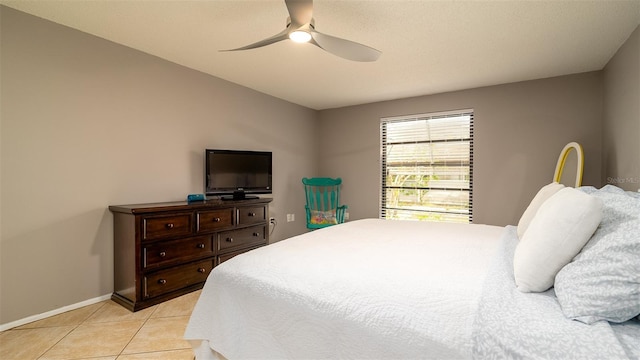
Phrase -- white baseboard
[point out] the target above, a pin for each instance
(47, 314)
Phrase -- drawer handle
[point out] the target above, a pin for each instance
(169, 226)
(201, 246)
(216, 219)
(202, 270)
(162, 281)
(252, 214)
(229, 239)
(256, 234)
(163, 253)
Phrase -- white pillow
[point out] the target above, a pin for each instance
(561, 227)
(543, 194)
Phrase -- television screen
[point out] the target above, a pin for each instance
(237, 172)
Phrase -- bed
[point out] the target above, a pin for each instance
(381, 289)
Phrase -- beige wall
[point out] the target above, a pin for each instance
(86, 123)
(520, 130)
(621, 130)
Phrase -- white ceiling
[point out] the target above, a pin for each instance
(427, 46)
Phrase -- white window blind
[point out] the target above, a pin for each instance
(427, 167)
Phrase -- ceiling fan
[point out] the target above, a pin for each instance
(301, 28)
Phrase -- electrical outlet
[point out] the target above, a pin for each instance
(346, 216)
(291, 217)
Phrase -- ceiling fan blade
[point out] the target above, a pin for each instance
(344, 48)
(300, 11)
(283, 35)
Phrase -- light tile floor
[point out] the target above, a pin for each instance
(105, 331)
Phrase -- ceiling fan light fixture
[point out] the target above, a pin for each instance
(300, 36)
(301, 28)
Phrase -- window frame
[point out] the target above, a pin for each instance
(383, 205)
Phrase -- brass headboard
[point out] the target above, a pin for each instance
(563, 158)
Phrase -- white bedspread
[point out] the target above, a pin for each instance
(364, 289)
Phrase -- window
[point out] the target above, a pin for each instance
(427, 167)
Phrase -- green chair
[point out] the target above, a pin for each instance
(323, 202)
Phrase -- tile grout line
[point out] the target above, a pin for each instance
(87, 321)
(156, 307)
(57, 342)
(70, 331)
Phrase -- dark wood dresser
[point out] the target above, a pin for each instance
(164, 250)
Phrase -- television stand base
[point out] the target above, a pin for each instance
(238, 195)
(230, 197)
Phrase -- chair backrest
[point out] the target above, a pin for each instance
(322, 194)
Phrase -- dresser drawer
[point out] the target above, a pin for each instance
(214, 219)
(158, 227)
(171, 252)
(242, 238)
(165, 281)
(251, 214)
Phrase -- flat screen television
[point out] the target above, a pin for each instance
(232, 174)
